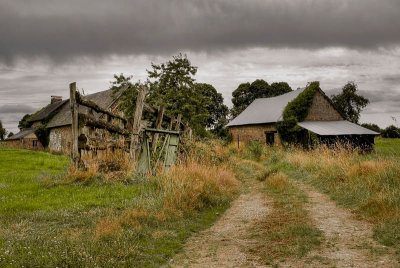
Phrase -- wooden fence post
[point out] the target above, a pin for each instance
(171, 123)
(136, 121)
(75, 123)
(178, 122)
(159, 120)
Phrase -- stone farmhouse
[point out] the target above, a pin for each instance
(258, 122)
(57, 118)
(26, 139)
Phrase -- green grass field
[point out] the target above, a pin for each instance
(77, 225)
(390, 147)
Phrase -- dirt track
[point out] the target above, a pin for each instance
(348, 241)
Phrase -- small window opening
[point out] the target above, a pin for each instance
(270, 138)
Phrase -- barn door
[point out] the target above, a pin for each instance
(270, 138)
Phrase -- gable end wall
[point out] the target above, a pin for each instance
(322, 110)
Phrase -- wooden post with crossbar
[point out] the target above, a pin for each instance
(75, 124)
(136, 121)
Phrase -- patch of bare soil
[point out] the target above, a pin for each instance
(225, 243)
(348, 241)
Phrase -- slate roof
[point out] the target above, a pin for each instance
(335, 128)
(21, 134)
(265, 110)
(63, 118)
(47, 111)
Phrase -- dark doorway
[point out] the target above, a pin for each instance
(270, 138)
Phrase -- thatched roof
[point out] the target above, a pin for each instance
(63, 118)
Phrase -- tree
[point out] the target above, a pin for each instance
(172, 84)
(24, 122)
(215, 105)
(3, 131)
(10, 134)
(349, 102)
(373, 127)
(279, 88)
(127, 96)
(391, 132)
(246, 93)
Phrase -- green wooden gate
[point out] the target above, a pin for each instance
(167, 152)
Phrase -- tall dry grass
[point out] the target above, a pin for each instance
(179, 192)
(369, 184)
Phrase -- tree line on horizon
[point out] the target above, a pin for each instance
(173, 85)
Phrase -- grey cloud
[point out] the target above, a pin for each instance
(382, 94)
(16, 108)
(64, 29)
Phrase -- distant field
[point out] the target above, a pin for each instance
(388, 146)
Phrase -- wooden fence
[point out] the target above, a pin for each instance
(117, 133)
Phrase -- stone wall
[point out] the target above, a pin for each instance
(60, 140)
(322, 110)
(253, 132)
(26, 143)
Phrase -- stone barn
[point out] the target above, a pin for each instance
(259, 122)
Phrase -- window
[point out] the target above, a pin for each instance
(270, 138)
(34, 143)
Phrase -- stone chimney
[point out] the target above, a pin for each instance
(55, 99)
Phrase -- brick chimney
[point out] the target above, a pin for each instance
(55, 99)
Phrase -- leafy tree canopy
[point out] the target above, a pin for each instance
(124, 88)
(391, 132)
(3, 131)
(172, 84)
(215, 105)
(349, 102)
(373, 127)
(246, 93)
(24, 122)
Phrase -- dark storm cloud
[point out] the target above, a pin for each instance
(61, 29)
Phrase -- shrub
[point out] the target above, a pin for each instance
(255, 149)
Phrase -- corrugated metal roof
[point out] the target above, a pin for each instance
(335, 128)
(21, 134)
(265, 110)
(103, 98)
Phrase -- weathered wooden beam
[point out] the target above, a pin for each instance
(178, 122)
(149, 109)
(187, 131)
(159, 120)
(171, 123)
(162, 131)
(75, 124)
(90, 120)
(136, 120)
(88, 103)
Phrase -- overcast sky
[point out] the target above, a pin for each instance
(46, 44)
